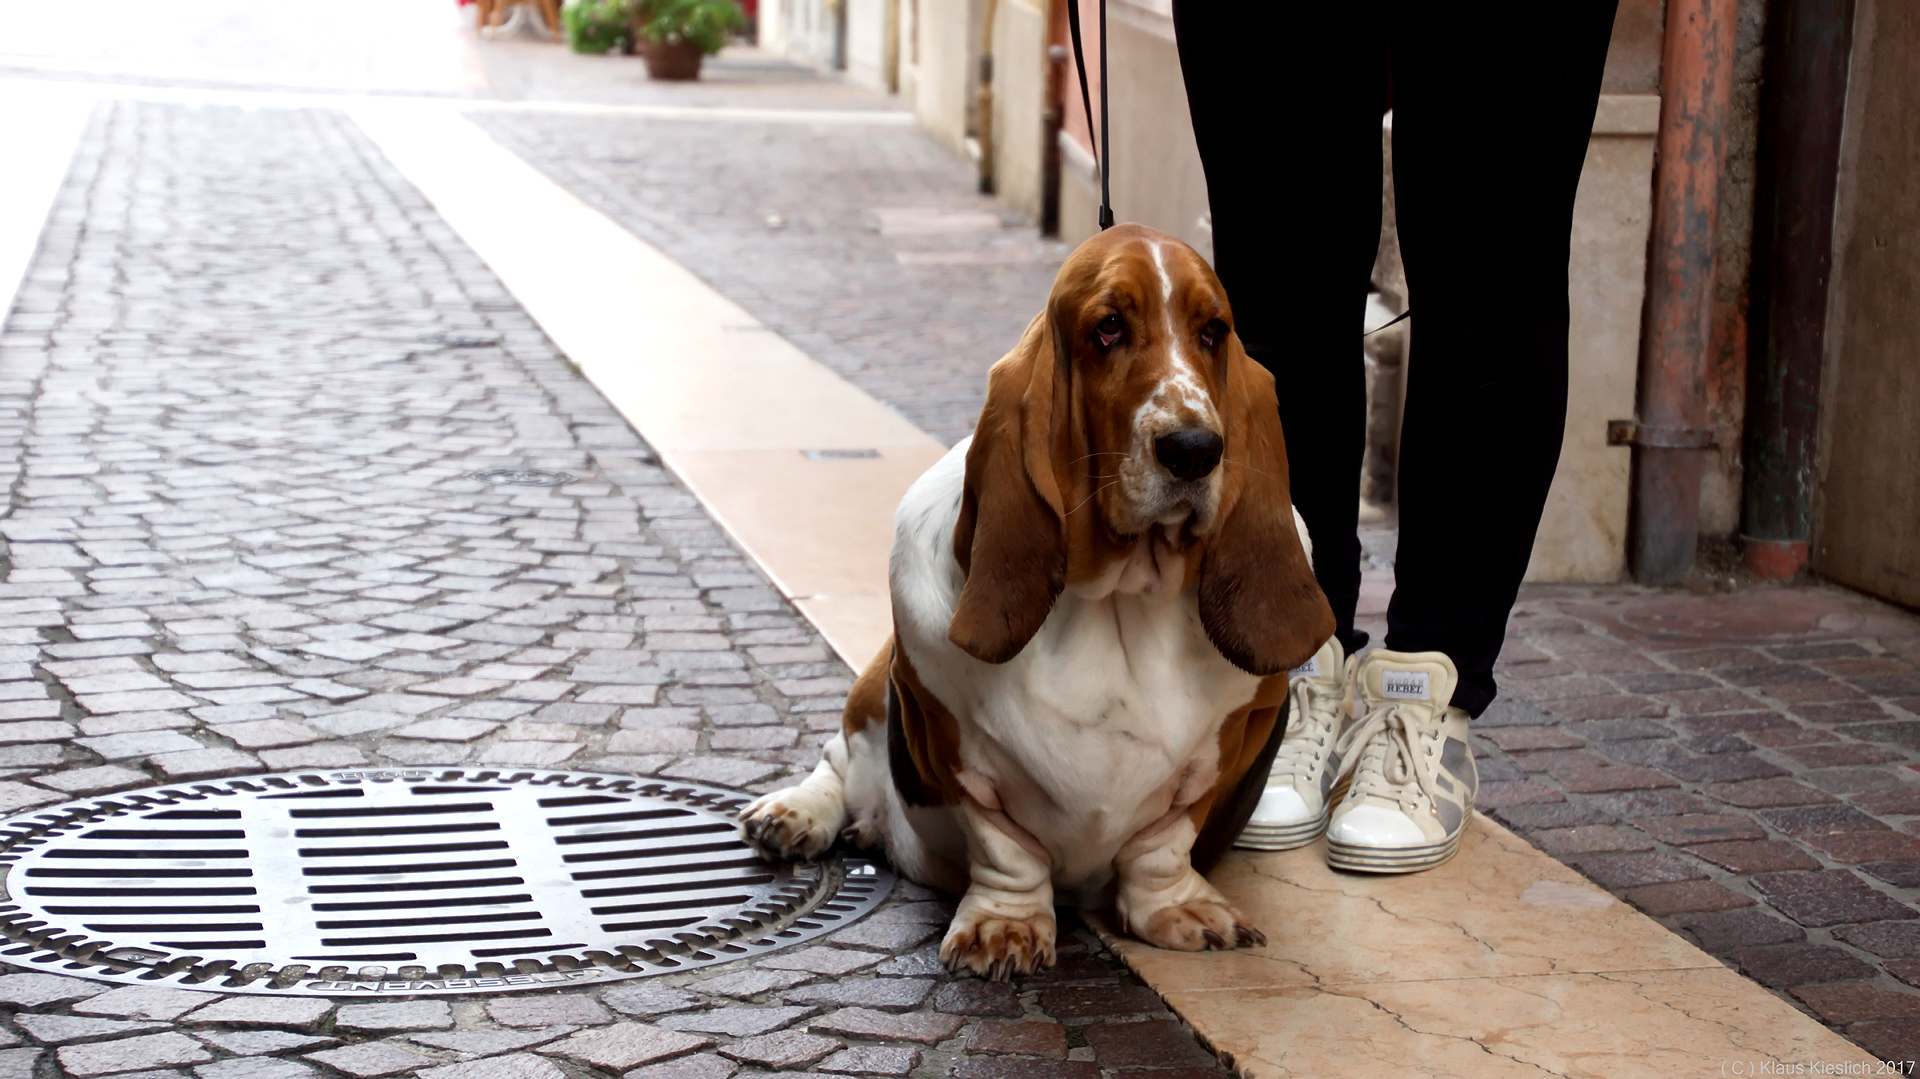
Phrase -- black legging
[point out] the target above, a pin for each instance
(1493, 104)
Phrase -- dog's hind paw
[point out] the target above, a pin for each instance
(1198, 925)
(864, 833)
(795, 824)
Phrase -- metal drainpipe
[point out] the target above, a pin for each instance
(983, 99)
(1050, 122)
(890, 50)
(1803, 103)
(1696, 96)
(838, 9)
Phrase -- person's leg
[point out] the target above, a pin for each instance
(1493, 107)
(1286, 103)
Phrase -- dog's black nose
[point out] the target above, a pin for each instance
(1190, 453)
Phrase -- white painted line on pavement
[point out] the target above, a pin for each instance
(731, 406)
(703, 113)
(40, 135)
(298, 99)
(405, 45)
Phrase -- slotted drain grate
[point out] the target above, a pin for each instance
(523, 477)
(405, 882)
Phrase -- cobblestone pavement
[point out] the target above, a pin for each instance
(243, 389)
(868, 246)
(1742, 768)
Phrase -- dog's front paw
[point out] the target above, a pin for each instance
(1197, 925)
(998, 940)
(795, 824)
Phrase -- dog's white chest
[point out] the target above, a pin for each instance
(1089, 730)
(1108, 705)
(1126, 676)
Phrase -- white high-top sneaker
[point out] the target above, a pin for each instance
(1413, 780)
(1293, 810)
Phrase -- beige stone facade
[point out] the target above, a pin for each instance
(1583, 533)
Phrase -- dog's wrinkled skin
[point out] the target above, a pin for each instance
(1096, 601)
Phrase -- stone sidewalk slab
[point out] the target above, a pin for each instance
(737, 412)
(1562, 978)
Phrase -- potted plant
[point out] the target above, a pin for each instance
(674, 36)
(597, 26)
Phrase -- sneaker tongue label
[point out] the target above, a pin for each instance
(1404, 685)
(1309, 669)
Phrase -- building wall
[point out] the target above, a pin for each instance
(1633, 57)
(1157, 179)
(1020, 93)
(938, 62)
(909, 45)
(805, 30)
(770, 29)
(1867, 501)
(866, 42)
(1583, 529)
(1584, 526)
(802, 30)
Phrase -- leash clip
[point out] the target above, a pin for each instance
(1086, 101)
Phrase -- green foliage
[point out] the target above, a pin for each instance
(705, 23)
(597, 25)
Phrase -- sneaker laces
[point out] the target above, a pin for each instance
(1303, 745)
(1387, 757)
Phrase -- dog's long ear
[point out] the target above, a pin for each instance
(1259, 601)
(1009, 539)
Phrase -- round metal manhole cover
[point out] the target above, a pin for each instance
(523, 477)
(405, 882)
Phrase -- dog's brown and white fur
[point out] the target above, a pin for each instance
(1089, 651)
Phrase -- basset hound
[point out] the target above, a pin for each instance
(1096, 602)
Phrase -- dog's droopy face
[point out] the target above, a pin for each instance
(1145, 330)
(1129, 445)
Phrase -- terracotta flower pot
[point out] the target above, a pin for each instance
(679, 60)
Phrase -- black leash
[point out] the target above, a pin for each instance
(1086, 101)
(1401, 317)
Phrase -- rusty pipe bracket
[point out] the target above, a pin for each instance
(1635, 433)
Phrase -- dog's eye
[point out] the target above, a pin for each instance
(1213, 333)
(1108, 331)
